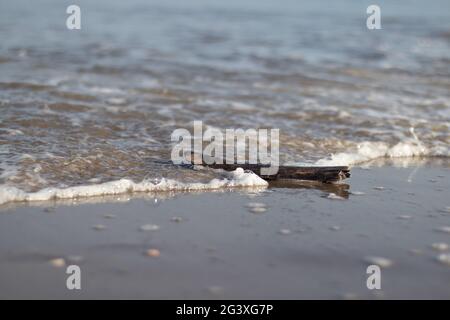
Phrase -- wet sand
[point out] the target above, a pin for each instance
(287, 241)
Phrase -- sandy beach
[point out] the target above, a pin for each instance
(308, 241)
(103, 103)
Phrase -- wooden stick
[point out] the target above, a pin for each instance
(322, 174)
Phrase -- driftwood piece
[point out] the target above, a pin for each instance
(322, 174)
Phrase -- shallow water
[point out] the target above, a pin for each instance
(99, 104)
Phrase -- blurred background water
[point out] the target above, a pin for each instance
(97, 104)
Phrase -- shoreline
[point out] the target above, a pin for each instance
(125, 188)
(297, 240)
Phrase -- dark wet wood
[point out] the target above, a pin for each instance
(322, 174)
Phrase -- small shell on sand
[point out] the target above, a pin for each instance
(285, 231)
(378, 294)
(57, 262)
(75, 259)
(445, 229)
(444, 258)
(379, 261)
(257, 210)
(99, 227)
(404, 217)
(153, 253)
(440, 246)
(416, 251)
(256, 207)
(149, 227)
(216, 290)
(350, 296)
(334, 196)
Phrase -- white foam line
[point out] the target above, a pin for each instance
(367, 151)
(237, 178)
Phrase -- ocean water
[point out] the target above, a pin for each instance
(96, 107)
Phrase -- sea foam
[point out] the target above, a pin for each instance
(367, 151)
(237, 178)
